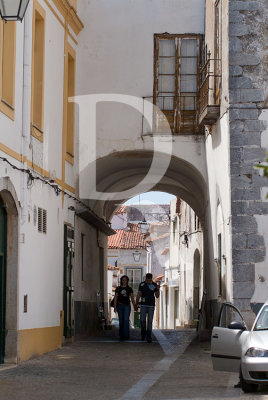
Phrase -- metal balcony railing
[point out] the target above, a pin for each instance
(176, 114)
(210, 78)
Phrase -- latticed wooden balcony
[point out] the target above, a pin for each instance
(176, 114)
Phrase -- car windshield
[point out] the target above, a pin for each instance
(262, 322)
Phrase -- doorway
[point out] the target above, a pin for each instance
(3, 250)
(68, 288)
(196, 281)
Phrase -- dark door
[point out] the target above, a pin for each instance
(3, 241)
(101, 257)
(68, 303)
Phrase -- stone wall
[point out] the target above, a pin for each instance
(248, 86)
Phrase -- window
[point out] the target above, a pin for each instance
(7, 67)
(69, 106)
(134, 275)
(38, 69)
(228, 314)
(196, 222)
(176, 80)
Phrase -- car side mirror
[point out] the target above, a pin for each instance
(237, 325)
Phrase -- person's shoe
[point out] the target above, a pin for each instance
(237, 385)
(149, 340)
(143, 337)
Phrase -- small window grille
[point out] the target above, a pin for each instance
(42, 220)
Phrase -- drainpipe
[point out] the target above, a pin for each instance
(26, 104)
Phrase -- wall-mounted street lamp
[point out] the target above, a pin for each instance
(136, 255)
(186, 240)
(144, 226)
(13, 10)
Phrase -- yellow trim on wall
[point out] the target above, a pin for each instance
(33, 342)
(10, 152)
(60, 21)
(69, 188)
(34, 167)
(54, 12)
(69, 12)
(37, 168)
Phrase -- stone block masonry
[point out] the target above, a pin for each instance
(248, 77)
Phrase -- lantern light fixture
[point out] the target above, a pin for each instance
(144, 227)
(136, 255)
(13, 10)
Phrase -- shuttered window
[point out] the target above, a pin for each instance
(38, 71)
(7, 67)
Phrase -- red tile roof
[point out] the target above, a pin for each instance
(113, 268)
(127, 239)
(121, 210)
(158, 278)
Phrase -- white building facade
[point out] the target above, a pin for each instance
(38, 194)
(182, 290)
(217, 133)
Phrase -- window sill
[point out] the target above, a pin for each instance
(7, 110)
(38, 134)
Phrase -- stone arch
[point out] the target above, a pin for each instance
(120, 171)
(9, 197)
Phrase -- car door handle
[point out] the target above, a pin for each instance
(215, 336)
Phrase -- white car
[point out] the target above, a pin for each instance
(235, 348)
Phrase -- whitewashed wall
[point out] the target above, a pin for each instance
(120, 60)
(218, 161)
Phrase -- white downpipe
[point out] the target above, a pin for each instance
(26, 104)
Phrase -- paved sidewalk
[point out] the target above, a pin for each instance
(105, 369)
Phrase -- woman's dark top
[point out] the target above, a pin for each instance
(123, 294)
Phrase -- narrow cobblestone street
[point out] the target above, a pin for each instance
(105, 369)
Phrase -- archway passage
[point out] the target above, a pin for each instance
(170, 248)
(121, 171)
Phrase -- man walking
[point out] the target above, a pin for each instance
(148, 290)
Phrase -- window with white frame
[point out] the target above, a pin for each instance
(135, 278)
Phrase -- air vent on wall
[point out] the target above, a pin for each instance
(42, 220)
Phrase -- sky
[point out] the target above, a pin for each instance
(151, 198)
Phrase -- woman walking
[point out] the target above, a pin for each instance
(123, 294)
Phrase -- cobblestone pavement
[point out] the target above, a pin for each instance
(173, 367)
